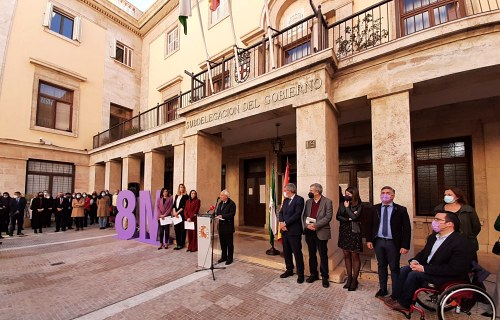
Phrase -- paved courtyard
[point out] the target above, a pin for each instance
(93, 275)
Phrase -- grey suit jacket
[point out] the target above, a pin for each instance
(323, 218)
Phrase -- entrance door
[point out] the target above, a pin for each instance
(355, 169)
(255, 192)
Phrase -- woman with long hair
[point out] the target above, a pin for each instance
(179, 204)
(350, 237)
(164, 206)
(190, 212)
(470, 226)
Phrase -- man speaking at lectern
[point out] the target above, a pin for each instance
(226, 210)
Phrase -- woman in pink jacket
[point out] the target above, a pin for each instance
(164, 206)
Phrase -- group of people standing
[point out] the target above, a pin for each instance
(181, 205)
(385, 226)
(187, 207)
(65, 208)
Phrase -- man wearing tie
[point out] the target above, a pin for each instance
(16, 214)
(61, 205)
(290, 218)
(226, 210)
(390, 236)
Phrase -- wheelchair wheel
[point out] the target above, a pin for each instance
(465, 301)
(428, 300)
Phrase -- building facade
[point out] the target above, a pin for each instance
(98, 95)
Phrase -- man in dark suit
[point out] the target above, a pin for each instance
(38, 207)
(61, 205)
(290, 218)
(16, 214)
(226, 210)
(447, 256)
(390, 236)
(317, 232)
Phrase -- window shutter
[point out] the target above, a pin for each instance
(77, 28)
(112, 48)
(47, 19)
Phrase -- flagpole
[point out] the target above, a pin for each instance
(272, 215)
(206, 50)
(236, 57)
(269, 35)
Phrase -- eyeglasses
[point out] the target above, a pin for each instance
(438, 219)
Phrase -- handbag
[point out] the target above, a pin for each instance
(497, 223)
(355, 227)
(496, 247)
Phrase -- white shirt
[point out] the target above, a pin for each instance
(437, 244)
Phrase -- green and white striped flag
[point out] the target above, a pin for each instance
(184, 13)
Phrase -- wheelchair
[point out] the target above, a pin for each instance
(453, 300)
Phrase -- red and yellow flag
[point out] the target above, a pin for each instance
(286, 180)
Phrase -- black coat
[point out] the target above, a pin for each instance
(228, 211)
(17, 207)
(451, 262)
(182, 204)
(400, 226)
(65, 204)
(291, 215)
(38, 203)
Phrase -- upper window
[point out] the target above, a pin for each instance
(172, 41)
(440, 165)
(297, 52)
(123, 54)
(220, 13)
(54, 107)
(417, 15)
(62, 22)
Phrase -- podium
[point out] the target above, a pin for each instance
(204, 233)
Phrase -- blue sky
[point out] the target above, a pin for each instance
(143, 5)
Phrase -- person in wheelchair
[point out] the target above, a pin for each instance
(446, 257)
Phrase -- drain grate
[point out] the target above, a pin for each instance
(56, 263)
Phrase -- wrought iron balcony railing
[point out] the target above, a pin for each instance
(376, 25)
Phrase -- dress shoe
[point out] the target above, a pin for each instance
(347, 283)
(221, 260)
(40, 230)
(381, 293)
(395, 305)
(286, 274)
(161, 247)
(36, 231)
(300, 279)
(312, 278)
(326, 283)
(20, 234)
(228, 262)
(56, 231)
(166, 246)
(177, 248)
(386, 299)
(353, 286)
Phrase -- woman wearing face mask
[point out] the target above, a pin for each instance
(38, 208)
(78, 213)
(350, 214)
(191, 211)
(179, 203)
(102, 210)
(470, 226)
(164, 206)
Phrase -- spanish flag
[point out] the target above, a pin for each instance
(214, 4)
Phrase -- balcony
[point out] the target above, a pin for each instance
(374, 26)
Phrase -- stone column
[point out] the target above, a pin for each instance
(392, 150)
(178, 166)
(154, 171)
(131, 171)
(97, 177)
(112, 176)
(492, 145)
(318, 161)
(203, 154)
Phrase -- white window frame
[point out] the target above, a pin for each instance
(127, 53)
(77, 21)
(172, 41)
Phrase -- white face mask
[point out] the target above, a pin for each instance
(449, 199)
(103, 194)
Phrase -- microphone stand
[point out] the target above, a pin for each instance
(212, 267)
